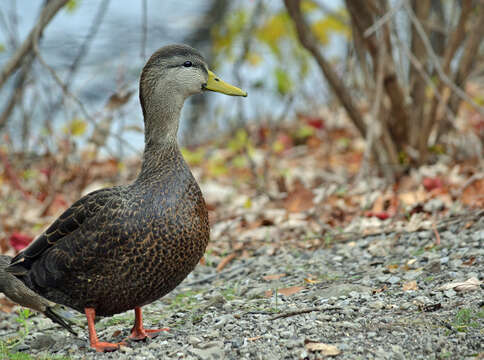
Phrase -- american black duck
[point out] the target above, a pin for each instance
(123, 247)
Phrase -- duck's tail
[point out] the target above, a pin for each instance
(59, 320)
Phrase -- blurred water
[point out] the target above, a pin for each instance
(115, 56)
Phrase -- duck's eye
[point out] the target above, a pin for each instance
(187, 63)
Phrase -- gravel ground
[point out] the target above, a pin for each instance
(377, 297)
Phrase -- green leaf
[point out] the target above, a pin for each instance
(284, 83)
(72, 5)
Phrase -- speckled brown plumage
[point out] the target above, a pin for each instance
(126, 246)
(120, 248)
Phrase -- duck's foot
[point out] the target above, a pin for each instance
(138, 334)
(101, 346)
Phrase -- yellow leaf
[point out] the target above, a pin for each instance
(193, 157)
(324, 27)
(308, 6)
(76, 127)
(248, 203)
(310, 281)
(253, 58)
(277, 27)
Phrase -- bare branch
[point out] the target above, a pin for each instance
(47, 14)
(70, 95)
(436, 63)
(457, 36)
(384, 19)
(307, 40)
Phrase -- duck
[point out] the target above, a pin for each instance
(121, 248)
(16, 291)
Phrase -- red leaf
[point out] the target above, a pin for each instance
(19, 241)
(382, 215)
(432, 183)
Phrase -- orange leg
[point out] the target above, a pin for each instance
(95, 343)
(138, 332)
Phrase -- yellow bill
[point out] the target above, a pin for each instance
(214, 83)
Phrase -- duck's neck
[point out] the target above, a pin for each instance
(161, 128)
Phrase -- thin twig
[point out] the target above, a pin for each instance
(48, 12)
(384, 19)
(81, 53)
(70, 95)
(374, 129)
(435, 61)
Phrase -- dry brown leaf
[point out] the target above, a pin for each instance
(299, 199)
(411, 198)
(6, 305)
(225, 261)
(273, 277)
(470, 261)
(392, 267)
(311, 281)
(254, 338)
(473, 194)
(411, 285)
(290, 290)
(325, 349)
(462, 286)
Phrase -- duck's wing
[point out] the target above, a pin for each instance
(70, 221)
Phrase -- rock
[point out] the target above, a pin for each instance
(42, 341)
(210, 351)
(336, 291)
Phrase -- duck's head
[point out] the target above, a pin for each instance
(175, 72)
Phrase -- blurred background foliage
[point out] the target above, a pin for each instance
(79, 91)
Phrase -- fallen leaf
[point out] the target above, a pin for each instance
(411, 261)
(311, 281)
(19, 241)
(432, 183)
(382, 289)
(290, 290)
(382, 215)
(462, 286)
(470, 261)
(254, 338)
(273, 277)
(411, 285)
(392, 267)
(268, 293)
(473, 194)
(299, 199)
(116, 333)
(225, 261)
(6, 305)
(325, 349)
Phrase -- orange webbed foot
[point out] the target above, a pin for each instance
(142, 334)
(101, 346)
